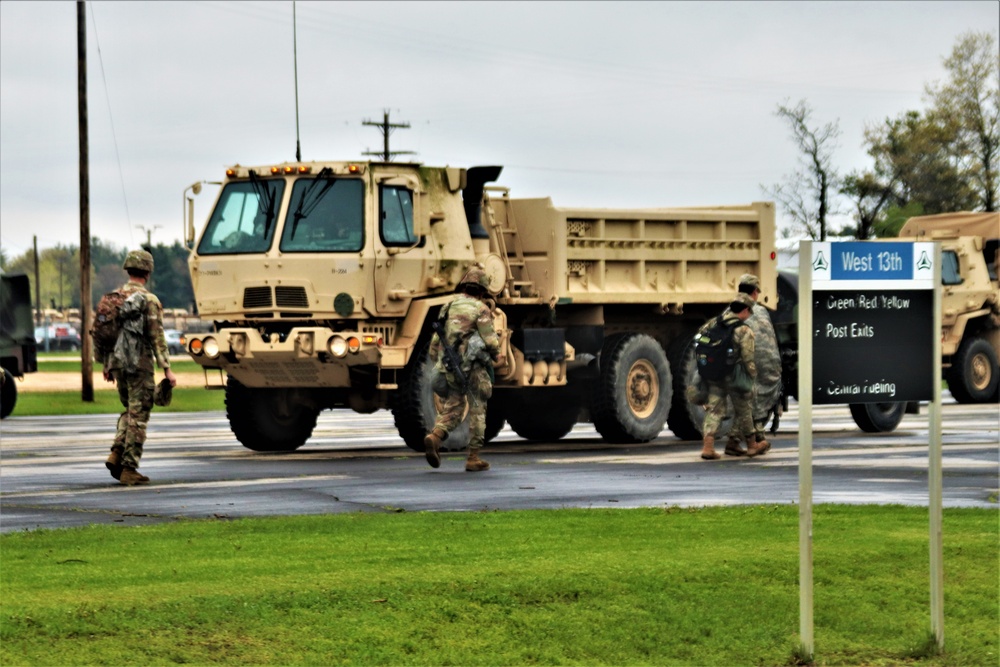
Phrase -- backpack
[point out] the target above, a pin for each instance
(714, 352)
(107, 324)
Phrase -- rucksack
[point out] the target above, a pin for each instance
(107, 324)
(714, 351)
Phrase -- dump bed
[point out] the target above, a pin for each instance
(664, 256)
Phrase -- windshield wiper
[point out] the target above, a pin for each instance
(301, 211)
(265, 195)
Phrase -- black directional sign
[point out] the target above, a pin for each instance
(873, 330)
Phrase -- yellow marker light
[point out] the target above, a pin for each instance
(275, 170)
(230, 173)
(195, 347)
(369, 339)
(353, 345)
(353, 169)
(305, 169)
(289, 169)
(211, 347)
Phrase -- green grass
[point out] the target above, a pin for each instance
(73, 365)
(43, 403)
(670, 586)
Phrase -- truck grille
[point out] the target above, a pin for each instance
(287, 297)
(291, 297)
(257, 297)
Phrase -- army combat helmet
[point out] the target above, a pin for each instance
(476, 276)
(139, 259)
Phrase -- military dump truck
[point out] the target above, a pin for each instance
(323, 280)
(18, 350)
(970, 299)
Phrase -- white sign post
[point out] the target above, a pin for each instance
(869, 332)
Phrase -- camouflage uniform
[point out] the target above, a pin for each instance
(469, 329)
(140, 342)
(718, 392)
(767, 388)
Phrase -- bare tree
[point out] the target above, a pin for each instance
(805, 194)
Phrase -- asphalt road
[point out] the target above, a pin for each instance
(52, 470)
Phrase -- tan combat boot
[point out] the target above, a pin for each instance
(733, 447)
(474, 463)
(131, 477)
(432, 446)
(114, 462)
(708, 448)
(757, 447)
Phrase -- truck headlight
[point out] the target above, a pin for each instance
(211, 347)
(337, 346)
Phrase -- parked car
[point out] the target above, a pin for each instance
(175, 341)
(60, 337)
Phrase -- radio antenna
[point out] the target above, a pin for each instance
(295, 60)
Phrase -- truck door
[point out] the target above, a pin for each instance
(403, 257)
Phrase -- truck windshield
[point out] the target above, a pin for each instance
(325, 215)
(244, 219)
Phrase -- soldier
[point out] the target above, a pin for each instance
(739, 312)
(767, 387)
(469, 330)
(140, 341)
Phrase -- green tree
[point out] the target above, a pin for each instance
(805, 195)
(870, 195)
(967, 106)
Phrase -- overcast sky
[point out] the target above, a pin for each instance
(604, 104)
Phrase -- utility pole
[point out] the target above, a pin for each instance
(86, 356)
(386, 127)
(149, 236)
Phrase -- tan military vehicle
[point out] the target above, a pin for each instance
(970, 299)
(323, 279)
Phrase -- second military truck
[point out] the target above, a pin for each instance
(323, 279)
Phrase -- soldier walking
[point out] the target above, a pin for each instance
(735, 316)
(130, 366)
(468, 329)
(767, 358)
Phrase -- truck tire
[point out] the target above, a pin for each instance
(268, 420)
(877, 417)
(681, 420)
(973, 375)
(632, 396)
(544, 415)
(8, 394)
(414, 409)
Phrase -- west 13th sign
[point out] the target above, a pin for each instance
(873, 323)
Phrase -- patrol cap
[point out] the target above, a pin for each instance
(138, 259)
(741, 302)
(163, 393)
(748, 283)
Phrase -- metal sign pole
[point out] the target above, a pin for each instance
(934, 470)
(805, 335)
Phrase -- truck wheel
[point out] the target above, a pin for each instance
(682, 419)
(495, 418)
(8, 394)
(877, 417)
(268, 420)
(632, 396)
(973, 376)
(415, 408)
(544, 414)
